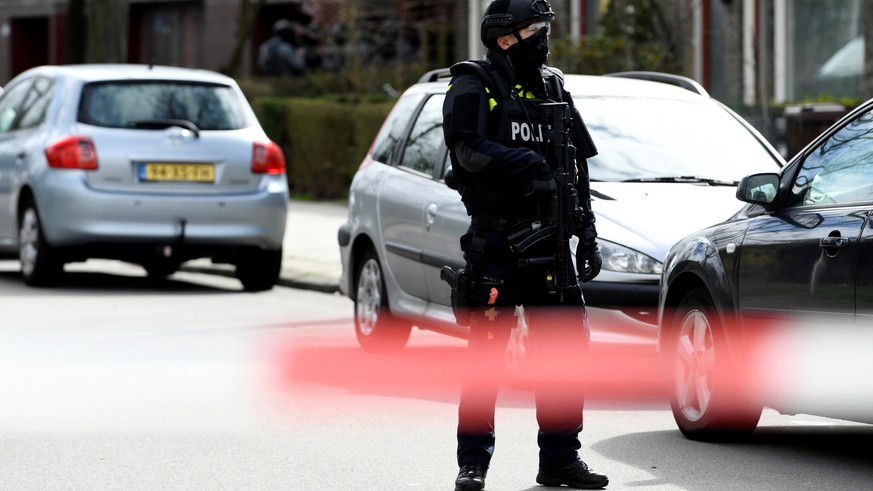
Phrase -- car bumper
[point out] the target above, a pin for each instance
(344, 239)
(73, 214)
(636, 300)
(610, 294)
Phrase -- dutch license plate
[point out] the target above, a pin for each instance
(165, 172)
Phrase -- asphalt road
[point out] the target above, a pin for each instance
(113, 382)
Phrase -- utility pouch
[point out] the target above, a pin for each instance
(461, 284)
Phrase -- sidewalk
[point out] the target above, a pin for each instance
(311, 253)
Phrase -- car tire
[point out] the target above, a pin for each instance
(376, 329)
(40, 264)
(706, 390)
(258, 269)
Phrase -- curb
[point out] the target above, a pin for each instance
(283, 280)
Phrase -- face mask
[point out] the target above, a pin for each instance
(530, 53)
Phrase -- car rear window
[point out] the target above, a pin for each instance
(125, 104)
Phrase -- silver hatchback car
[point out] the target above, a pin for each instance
(145, 164)
(670, 158)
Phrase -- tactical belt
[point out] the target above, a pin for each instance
(484, 222)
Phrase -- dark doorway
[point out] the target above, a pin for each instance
(30, 43)
(166, 33)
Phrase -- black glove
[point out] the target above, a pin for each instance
(540, 189)
(588, 261)
(541, 185)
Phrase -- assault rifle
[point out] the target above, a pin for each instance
(563, 213)
(562, 159)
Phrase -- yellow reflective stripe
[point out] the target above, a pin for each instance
(522, 93)
(491, 101)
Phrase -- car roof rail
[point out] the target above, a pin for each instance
(435, 75)
(667, 78)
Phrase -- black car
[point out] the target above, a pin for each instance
(772, 308)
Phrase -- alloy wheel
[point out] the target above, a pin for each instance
(694, 365)
(369, 297)
(28, 241)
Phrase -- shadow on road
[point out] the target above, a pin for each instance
(774, 457)
(72, 282)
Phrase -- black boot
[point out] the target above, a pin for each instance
(471, 478)
(575, 474)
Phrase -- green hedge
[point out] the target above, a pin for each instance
(324, 140)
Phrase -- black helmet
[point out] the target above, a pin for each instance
(502, 16)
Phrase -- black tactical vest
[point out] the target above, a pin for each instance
(515, 120)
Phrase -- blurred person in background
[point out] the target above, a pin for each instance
(283, 55)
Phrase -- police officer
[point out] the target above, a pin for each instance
(494, 128)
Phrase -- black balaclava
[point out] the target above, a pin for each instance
(529, 54)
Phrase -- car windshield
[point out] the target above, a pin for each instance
(669, 140)
(131, 104)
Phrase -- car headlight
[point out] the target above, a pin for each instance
(624, 260)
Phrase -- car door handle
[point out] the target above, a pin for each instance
(430, 214)
(834, 242)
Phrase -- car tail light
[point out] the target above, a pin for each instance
(72, 152)
(267, 158)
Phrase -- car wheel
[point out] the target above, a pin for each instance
(706, 391)
(40, 265)
(376, 329)
(258, 269)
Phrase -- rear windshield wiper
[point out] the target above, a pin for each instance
(157, 124)
(688, 179)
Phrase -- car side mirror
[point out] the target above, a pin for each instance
(759, 189)
(449, 178)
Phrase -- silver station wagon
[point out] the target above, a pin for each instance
(145, 164)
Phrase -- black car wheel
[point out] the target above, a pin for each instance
(707, 390)
(40, 265)
(258, 269)
(376, 329)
